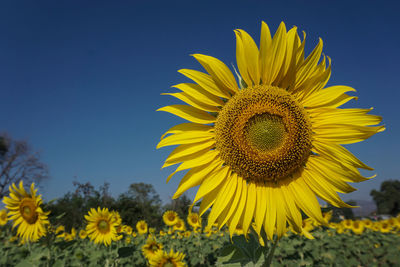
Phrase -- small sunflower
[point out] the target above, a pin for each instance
(384, 226)
(141, 227)
(347, 224)
(3, 217)
(194, 220)
(150, 248)
(127, 229)
(170, 217)
(171, 259)
(264, 149)
(357, 227)
(101, 226)
(70, 236)
(24, 209)
(82, 234)
(179, 226)
(367, 223)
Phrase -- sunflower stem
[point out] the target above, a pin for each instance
(270, 255)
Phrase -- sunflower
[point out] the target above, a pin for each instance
(170, 217)
(141, 227)
(194, 220)
(179, 226)
(357, 227)
(150, 248)
(347, 224)
(101, 226)
(82, 234)
(384, 226)
(3, 217)
(70, 236)
(24, 209)
(265, 149)
(164, 259)
(367, 223)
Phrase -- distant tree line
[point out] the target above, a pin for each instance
(139, 202)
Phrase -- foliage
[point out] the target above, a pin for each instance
(388, 198)
(18, 162)
(201, 249)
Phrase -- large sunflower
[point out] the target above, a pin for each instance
(101, 226)
(262, 151)
(24, 209)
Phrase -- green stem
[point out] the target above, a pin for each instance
(268, 259)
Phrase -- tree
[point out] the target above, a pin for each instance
(140, 202)
(77, 204)
(387, 199)
(180, 205)
(18, 163)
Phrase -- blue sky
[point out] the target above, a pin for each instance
(81, 80)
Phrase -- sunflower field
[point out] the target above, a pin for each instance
(106, 241)
(262, 148)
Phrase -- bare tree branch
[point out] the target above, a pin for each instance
(18, 162)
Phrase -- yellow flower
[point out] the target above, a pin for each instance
(187, 234)
(163, 259)
(70, 236)
(3, 217)
(128, 230)
(384, 226)
(170, 217)
(194, 220)
(134, 234)
(150, 248)
(101, 226)
(327, 216)
(141, 227)
(26, 213)
(162, 233)
(357, 227)
(82, 234)
(117, 217)
(179, 226)
(347, 224)
(264, 150)
(367, 223)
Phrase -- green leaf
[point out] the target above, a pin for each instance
(125, 252)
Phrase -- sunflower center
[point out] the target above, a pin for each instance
(28, 210)
(263, 134)
(265, 131)
(103, 226)
(171, 217)
(169, 263)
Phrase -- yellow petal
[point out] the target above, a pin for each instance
(188, 127)
(223, 199)
(248, 55)
(186, 138)
(261, 207)
(193, 102)
(189, 113)
(235, 202)
(309, 64)
(250, 206)
(337, 152)
(270, 214)
(212, 181)
(265, 51)
(183, 152)
(199, 161)
(353, 116)
(195, 176)
(345, 133)
(238, 213)
(206, 82)
(219, 72)
(278, 52)
(330, 96)
(197, 92)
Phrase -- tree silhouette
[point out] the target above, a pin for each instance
(388, 198)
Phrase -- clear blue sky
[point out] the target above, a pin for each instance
(81, 80)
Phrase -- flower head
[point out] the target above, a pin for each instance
(264, 150)
(101, 226)
(24, 209)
